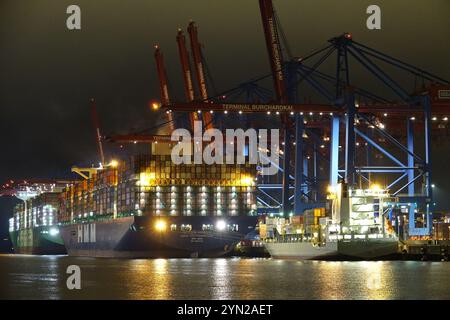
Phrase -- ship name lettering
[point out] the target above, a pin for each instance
(86, 233)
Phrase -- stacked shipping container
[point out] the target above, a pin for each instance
(42, 210)
(306, 224)
(154, 185)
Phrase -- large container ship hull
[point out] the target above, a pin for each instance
(37, 240)
(136, 237)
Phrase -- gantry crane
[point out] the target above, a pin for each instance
(199, 70)
(163, 84)
(187, 74)
(350, 120)
(273, 46)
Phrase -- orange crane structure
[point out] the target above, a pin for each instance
(187, 74)
(163, 86)
(273, 46)
(199, 70)
(276, 60)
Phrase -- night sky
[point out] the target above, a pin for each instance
(48, 73)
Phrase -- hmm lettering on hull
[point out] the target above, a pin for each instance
(86, 233)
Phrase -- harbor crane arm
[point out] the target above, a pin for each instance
(199, 70)
(96, 124)
(163, 87)
(274, 49)
(187, 74)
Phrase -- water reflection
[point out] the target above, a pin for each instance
(160, 284)
(328, 278)
(222, 281)
(376, 280)
(45, 278)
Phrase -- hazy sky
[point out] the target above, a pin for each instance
(48, 73)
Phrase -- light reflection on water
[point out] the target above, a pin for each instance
(45, 278)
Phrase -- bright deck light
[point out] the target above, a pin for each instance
(160, 225)
(221, 225)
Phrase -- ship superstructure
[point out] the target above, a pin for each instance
(357, 228)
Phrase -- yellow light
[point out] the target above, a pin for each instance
(331, 189)
(375, 187)
(145, 179)
(160, 225)
(114, 163)
(155, 105)
(247, 181)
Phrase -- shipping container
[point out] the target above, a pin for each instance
(154, 185)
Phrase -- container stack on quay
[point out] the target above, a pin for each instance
(441, 231)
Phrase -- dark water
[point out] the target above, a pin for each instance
(44, 277)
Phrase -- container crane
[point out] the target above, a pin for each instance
(187, 74)
(163, 87)
(87, 173)
(274, 49)
(276, 64)
(96, 124)
(199, 70)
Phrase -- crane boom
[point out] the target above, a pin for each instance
(199, 70)
(276, 65)
(163, 87)
(96, 124)
(187, 74)
(273, 48)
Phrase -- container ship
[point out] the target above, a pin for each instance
(33, 229)
(148, 207)
(356, 230)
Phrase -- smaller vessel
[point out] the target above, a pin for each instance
(357, 228)
(33, 229)
(251, 246)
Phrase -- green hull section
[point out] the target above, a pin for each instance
(38, 240)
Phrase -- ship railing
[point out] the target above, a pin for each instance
(355, 236)
(290, 238)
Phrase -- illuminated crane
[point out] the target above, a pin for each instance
(199, 70)
(163, 87)
(187, 74)
(273, 46)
